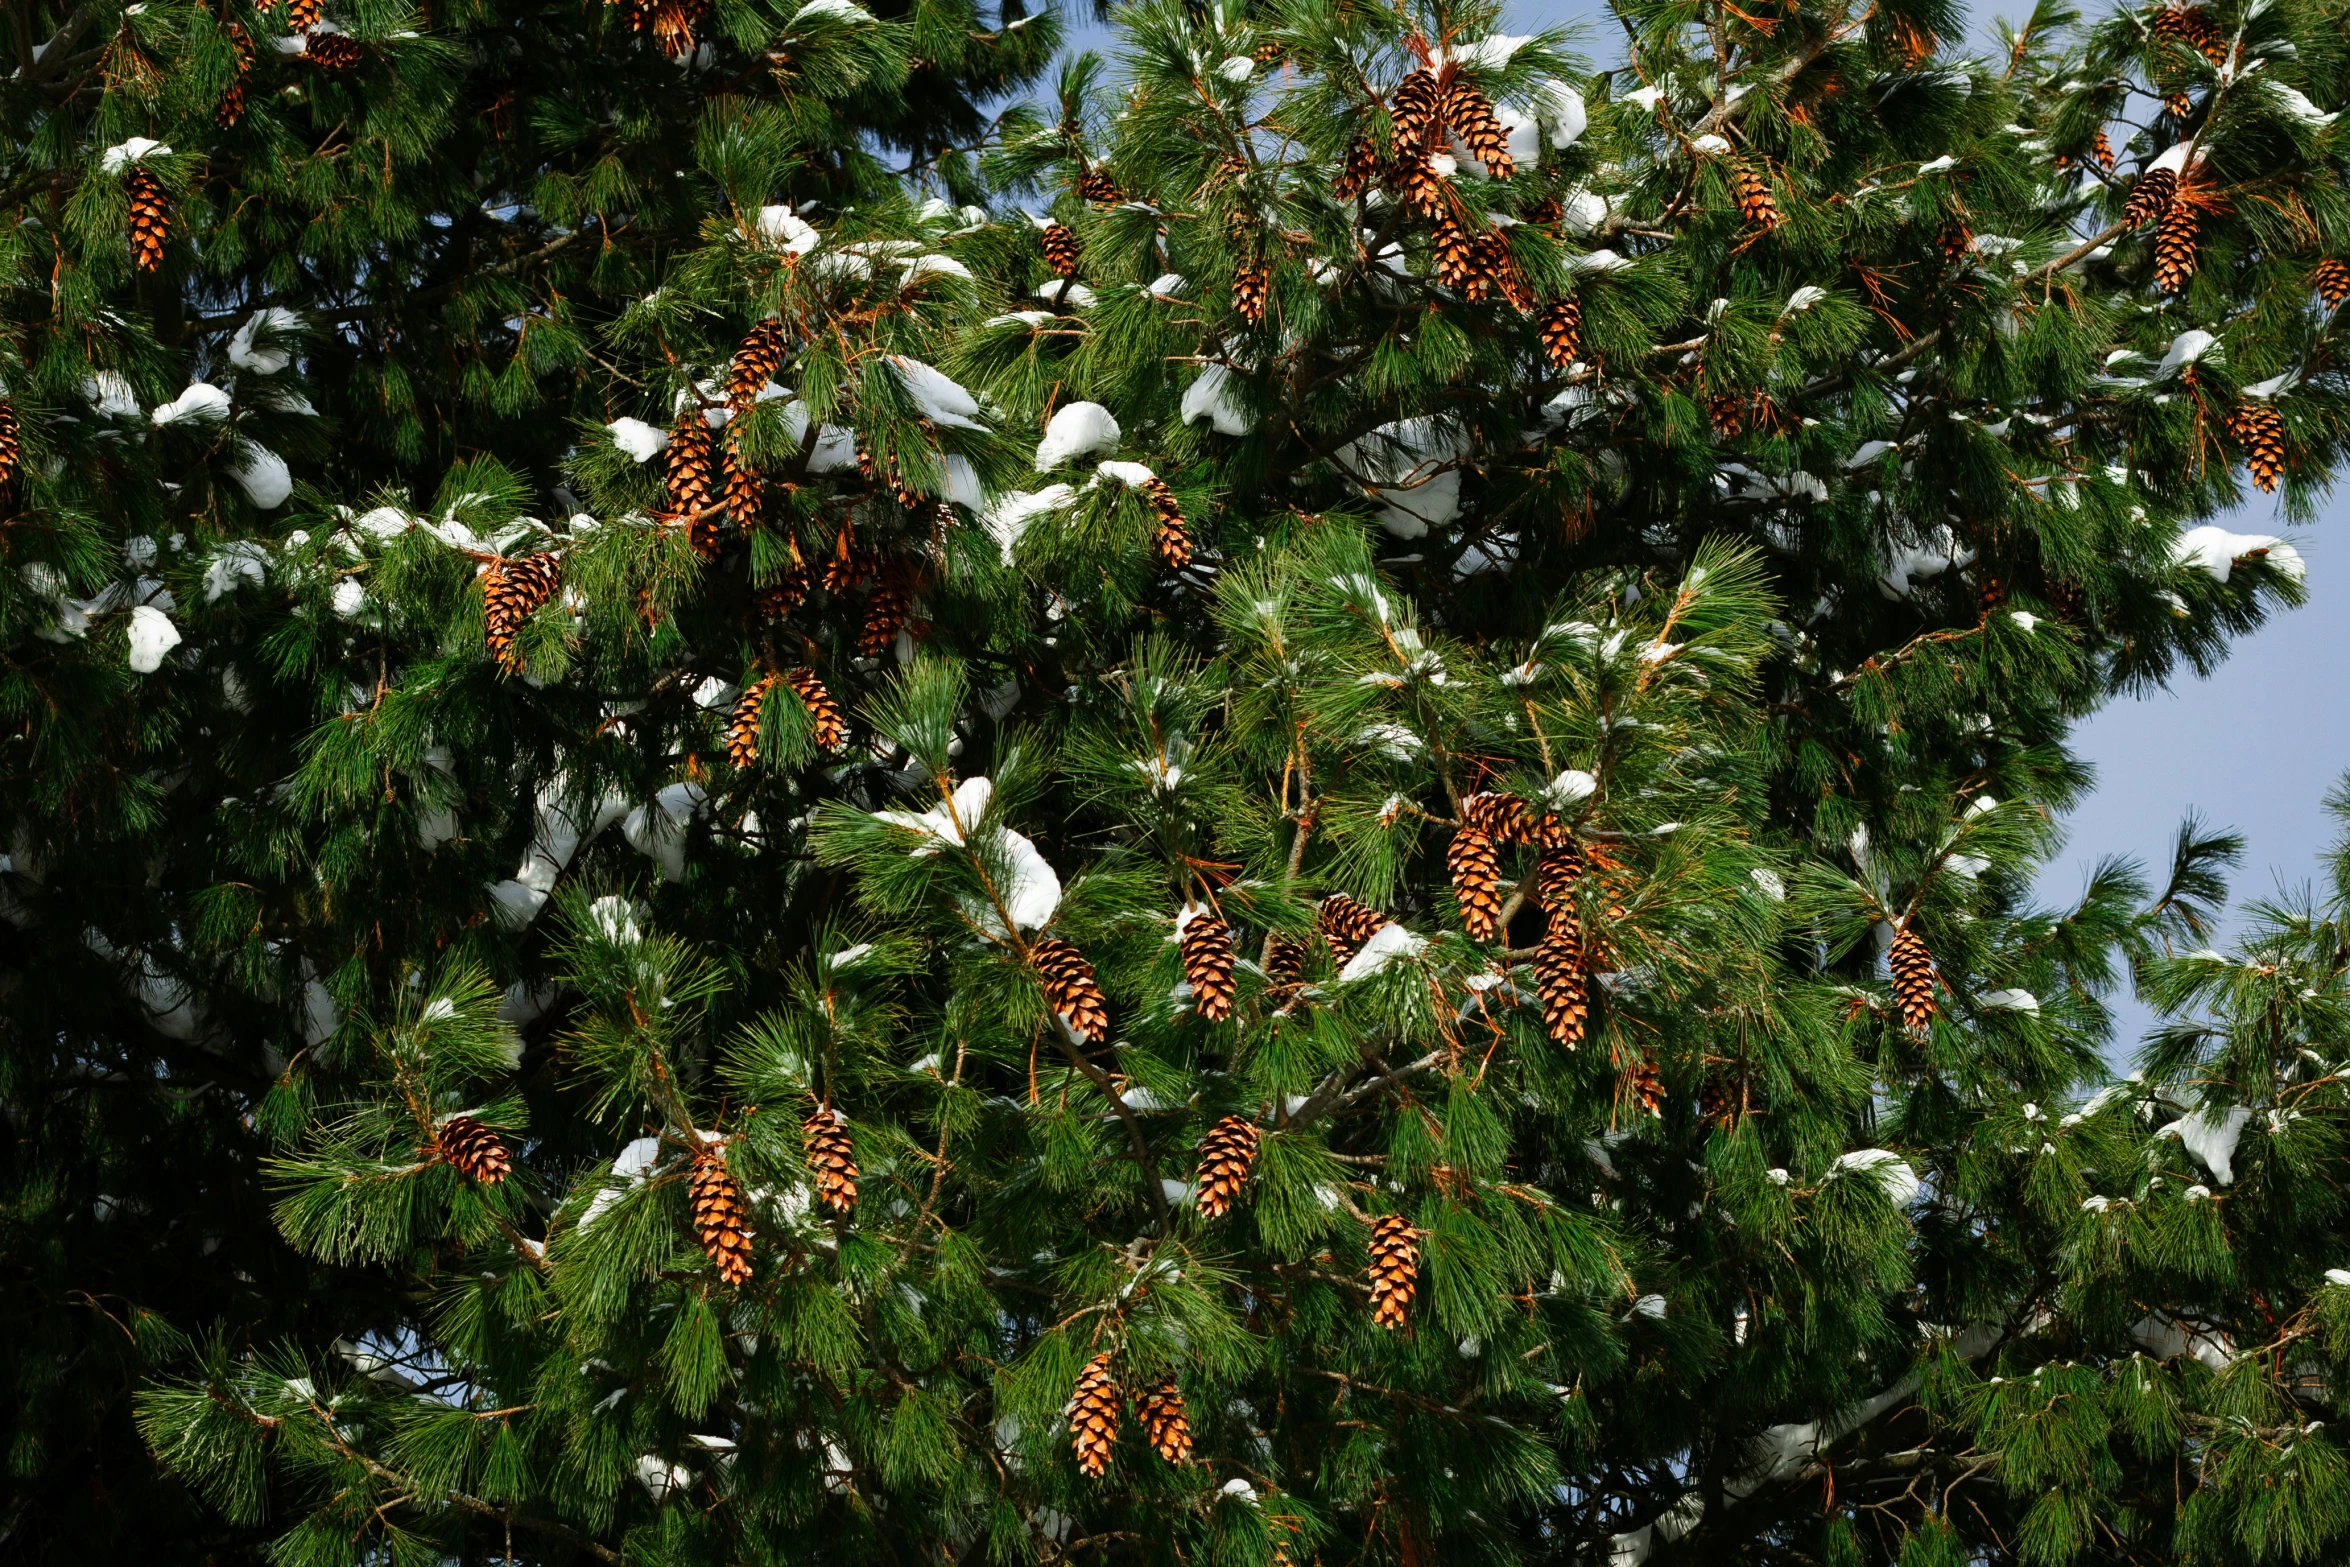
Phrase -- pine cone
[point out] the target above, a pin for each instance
(1424, 191)
(674, 22)
(1455, 251)
(2192, 26)
(1095, 185)
(829, 726)
(1070, 987)
(2331, 279)
(780, 597)
(1470, 114)
(1205, 941)
(692, 463)
(1060, 250)
(1093, 1417)
(11, 455)
(1412, 110)
(150, 223)
(2174, 247)
(1642, 1084)
(1756, 204)
(1560, 982)
(1285, 964)
(756, 359)
(2150, 198)
(511, 592)
(1267, 53)
(885, 612)
(1160, 1408)
(1346, 925)
(303, 15)
(2101, 148)
(1394, 1269)
(1726, 411)
(2260, 429)
(474, 1149)
(1252, 287)
(742, 725)
(1557, 873)
(231, 107)
(1173, 538)
(337, 52)
(722, 1220)
(1360, 169)
(831, 1159)
(1561, 331)
(1499, 816)
(1226, 1156)
(1913, 978)
(1476, 882)
(1489, 266)
(744, 494)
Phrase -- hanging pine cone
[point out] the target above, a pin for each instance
(1455, 250)
(1394, 1269)
(1561, 331)
(1060, 250)
(1500, 816)
(1172, 540)
(2331, 279)
(1358, 171)
(828, 727)
(231, 107)
(780, 597)
(742, 725)
(831, 1159)
(1346, 925)
(1557, 873)
(722, 1219)
(745, 496)
(1205, 941)
(303, 15)
(1559, 980)
(2174, 247)
(756, 359)
(885, 612)
(674, 22)
(1252, 287)
(1093, 1417)
(1095, 185)
(1267, 53)
(150, 224)
(2192, 26)
(474, 1149)
(511, 592)
(1476, 882)
(1726, 412)
(1470, 114)
(1160, 1408)
(1643, 1085)
(2260, 429)
(1226, 1156)
(2101, 148)
(1913, 978)
(337, 52)
(690, 472)
(848, 565)
(11, 455)
(1412, 110)
(1756, 204)
(1070, 988)
(1424, 191)
(2150, 198)
(1490, 267)
(1285, 962)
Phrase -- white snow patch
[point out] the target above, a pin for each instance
(2211, 1138)
(1210, 397)
(1890, 1170)
(637, 438)
(1389, 942)
(201, 402)
(152, 636)
(1076, 430)
(264, 477)
(2217, 550)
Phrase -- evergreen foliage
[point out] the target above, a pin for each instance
(988, 1037)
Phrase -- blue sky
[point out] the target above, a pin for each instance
(2254, 747)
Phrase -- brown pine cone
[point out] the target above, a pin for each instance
(2260, 429)
(692, 463)
(511, 592)
(1561, 331)
(831, 1159)
(1490, 267)
(2150, 198)
(1360, 170)
(885, 611)
(2331, 279)
(1285, 964)
(231, 107)
(1470, 114)
(1726, 412)
(1456, 250)
(474, 1149)
(150, 222)
(11, 455)
(337, 52)
(1498, 815)
(1252, 289)
(1412, 110)
(742, 725)
(756, 359)
(824, 715)
(1226, 1156)
(744, 494)
(1172, 540)
(1642, 1084)
(1346, 925)
(2174, 247)
(1061, 250)
(1560, 982)
(1557, 873)
(303, 15)
(1425, 192)
(1095, 185)
(780, 597)
(722, 1219)
(1394, 1269)
(1205, 941)
(1756, 204)
(2192, 26)
(1093, 1417)
(2101, 148)
(1912, 967)
(1069, 986)
(1160, 1408)
(1476, 882)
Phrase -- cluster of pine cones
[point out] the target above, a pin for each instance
(1491, 821)
(722, 1213)
(1095, 1405)
(1427, 108)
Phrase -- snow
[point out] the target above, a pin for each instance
(2173, 158)
(657, 830)
(941, 401)
(1486, 54)
(1076, 430)
(109, 391)
(2185, 349)
(1804, 298)
(1597, 261)
(1389, 942)
(1645, 97)
(2262, 391)
(1032, 893)
(1891, 1172)
(1010, 516)
(237, 561)
(1906, 565)
(637, 438)
(1131, 474)
(1405, 465)
(1562, 107)
(1570, 789)
(268, 359)
(2217, 550)
(1167, 285)
(559, 836)
(1028, 318)
(1067, 293)
(959, 482)
(778, 224)
(2295, 104)
(152, 636)
(846, 10)
(1210, 398)
(1237, 68)
(1938, 165)
(2211, 1138)
(1770, 883)
(1868, 452)
(2166, 1338)
(201, 402)
(921, 267)
(137, 150)
(2010, 1001)
(264, 477)
(1710, 146)
(2338, 1276)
